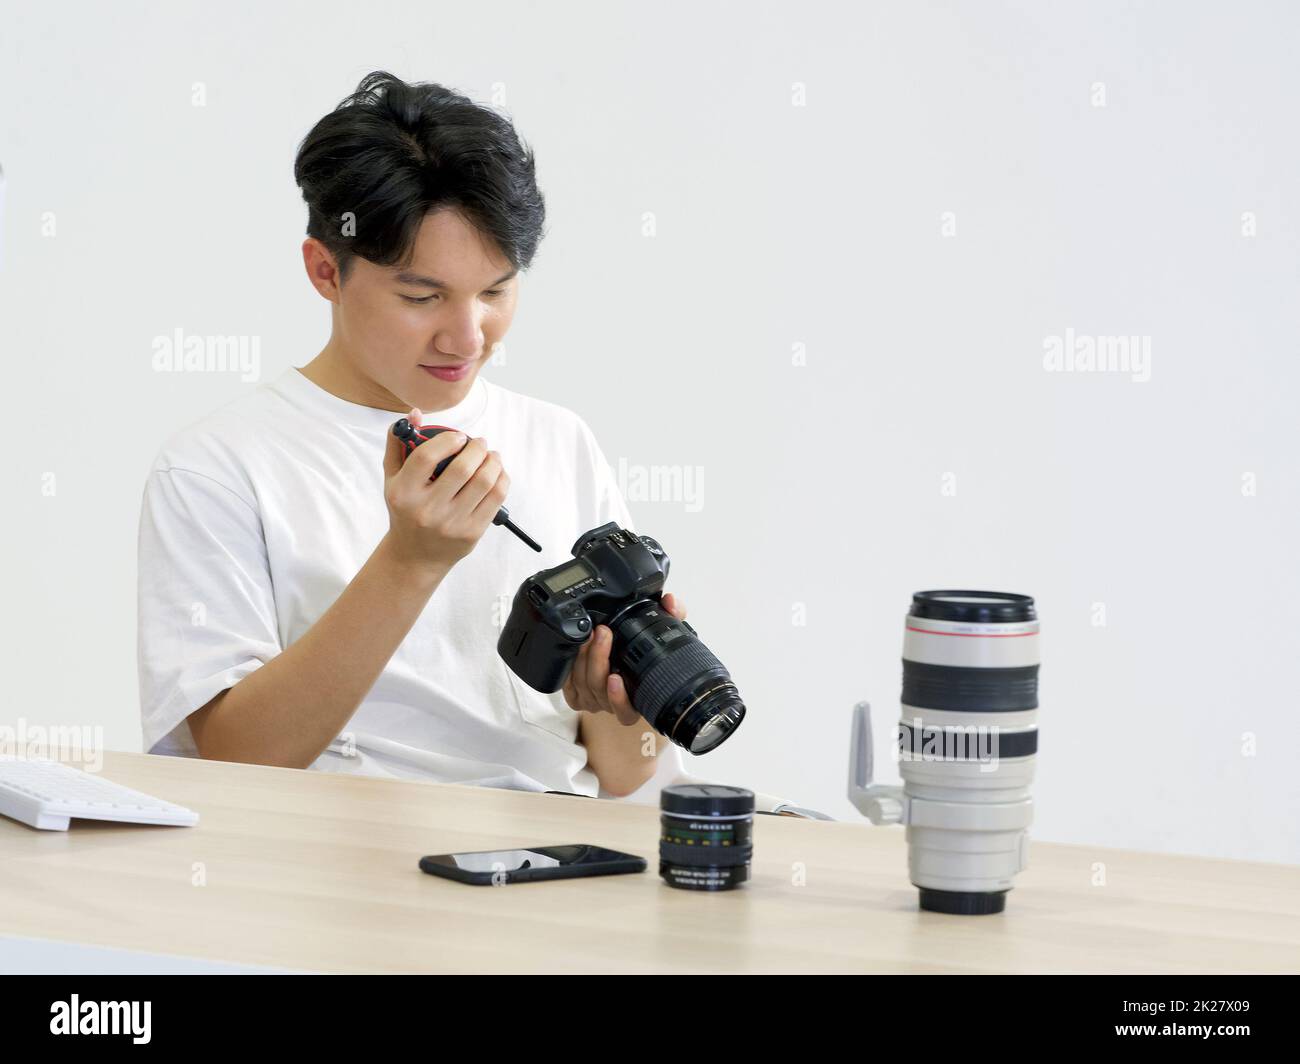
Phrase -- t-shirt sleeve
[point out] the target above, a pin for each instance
(206, 610)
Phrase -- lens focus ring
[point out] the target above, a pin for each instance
(666, 676)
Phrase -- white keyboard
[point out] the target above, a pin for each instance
(45, 794)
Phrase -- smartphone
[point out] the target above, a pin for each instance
(497, 867)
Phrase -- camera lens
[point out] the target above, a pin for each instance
(674, 681)
(967, 744)
(721, 715)
(705, 835)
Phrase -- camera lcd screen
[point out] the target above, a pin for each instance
(566, 577)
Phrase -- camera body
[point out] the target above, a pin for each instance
(555, 611)
(616, 578)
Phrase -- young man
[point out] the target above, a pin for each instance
(308, 599)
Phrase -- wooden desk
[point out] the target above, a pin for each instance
(307, 870)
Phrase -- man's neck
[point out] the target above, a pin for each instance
(338, 376)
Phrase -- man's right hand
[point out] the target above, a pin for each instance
(435, 523)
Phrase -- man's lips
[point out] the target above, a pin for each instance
(453, 372)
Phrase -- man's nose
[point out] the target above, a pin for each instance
(461, 337)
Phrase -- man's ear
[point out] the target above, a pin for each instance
(322, 269)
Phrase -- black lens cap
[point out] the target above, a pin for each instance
(706, 799)
(973, 607)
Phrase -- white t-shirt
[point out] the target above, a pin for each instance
(255, 519)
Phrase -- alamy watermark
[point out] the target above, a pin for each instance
(1081, 353)
(83, 743)
(977, 743)
(662, 483)
(127, 1018)
(197, 353)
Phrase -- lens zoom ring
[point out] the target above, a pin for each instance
(666, 675)
(965, 690)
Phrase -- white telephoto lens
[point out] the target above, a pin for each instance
(967, 740)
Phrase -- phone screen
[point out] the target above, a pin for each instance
(536, 862)
(538, 857)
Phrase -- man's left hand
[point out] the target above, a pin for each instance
(591, 687)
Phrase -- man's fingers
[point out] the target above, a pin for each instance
(396, 449)
(577, 681)
(493, 500)
(421, 462)
(598, 662)
(617, 694)
(393, 456)
(462, 467)
(482, 482)
(592, 687)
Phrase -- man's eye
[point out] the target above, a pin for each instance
(494, 292)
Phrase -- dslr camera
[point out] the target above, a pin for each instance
(616, 578)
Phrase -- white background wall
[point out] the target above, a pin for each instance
(775, 225)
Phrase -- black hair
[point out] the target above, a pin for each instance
(391, 152)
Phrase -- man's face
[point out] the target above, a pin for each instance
(423, 332)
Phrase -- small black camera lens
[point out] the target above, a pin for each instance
(705, 836)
